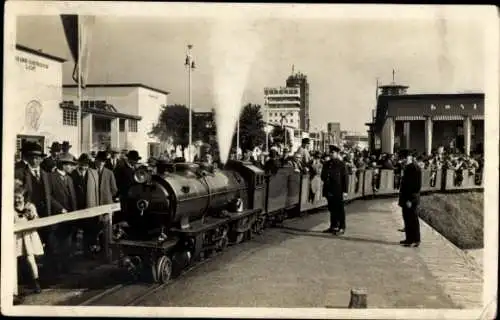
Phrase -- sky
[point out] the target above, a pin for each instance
(342, 57)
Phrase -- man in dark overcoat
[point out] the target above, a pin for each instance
(124, 175)
(37, 184)
(409, 199)
(63, 198)
(113, 161)
(335, 186)
(49, 163)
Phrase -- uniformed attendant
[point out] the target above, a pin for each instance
(335, 187)
(409, 198)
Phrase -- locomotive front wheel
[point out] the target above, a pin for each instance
(223, 243)
(239, 237)
(163, 270)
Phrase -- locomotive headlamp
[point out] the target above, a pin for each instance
(142, 175)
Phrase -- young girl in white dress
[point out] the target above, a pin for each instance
(28, 242)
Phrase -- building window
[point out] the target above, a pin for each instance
(69, 117)
(132, 125)
(122, 125)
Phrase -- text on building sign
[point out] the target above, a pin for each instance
(448, 106)
(31, 64)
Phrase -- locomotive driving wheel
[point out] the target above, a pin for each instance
(162, 269)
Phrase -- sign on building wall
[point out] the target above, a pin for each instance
(31, 64)
(466, 106)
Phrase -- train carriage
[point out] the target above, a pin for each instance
(190, 212)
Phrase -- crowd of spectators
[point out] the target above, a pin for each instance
(61, 183)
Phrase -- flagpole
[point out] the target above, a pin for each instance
(238, 136)
(79, 92)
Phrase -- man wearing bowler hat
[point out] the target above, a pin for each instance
(409, 199)
(49, 163)
(63, 198)
(335, 187)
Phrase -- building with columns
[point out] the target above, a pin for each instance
(424, 122)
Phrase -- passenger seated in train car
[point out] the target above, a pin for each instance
(273, 163)
(297, 163)
(316, 164)
(303, 150)
(285, 157)
(419, 161)
(179, 160)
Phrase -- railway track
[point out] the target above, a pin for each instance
(132, 293)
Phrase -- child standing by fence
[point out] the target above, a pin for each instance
(28, 243)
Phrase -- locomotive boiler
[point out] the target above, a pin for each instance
(184, 211)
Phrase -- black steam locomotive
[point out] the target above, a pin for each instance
(186, 212)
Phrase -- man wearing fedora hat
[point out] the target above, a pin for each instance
(409, 199)
(335, 186)
(101, 190)
(107, 182)
(65, 147)
(49, 163)
(124, 174)
(63, 200)
(36, 183)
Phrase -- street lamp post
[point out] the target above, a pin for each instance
(283, 117)
(238, 136)
(190, 66)
(267, 130)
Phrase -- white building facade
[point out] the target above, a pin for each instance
(282, 108)
(117, 116)
(130, 112)
(38, 83)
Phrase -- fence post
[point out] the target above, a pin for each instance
(108, 229)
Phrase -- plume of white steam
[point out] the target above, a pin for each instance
(234, 46)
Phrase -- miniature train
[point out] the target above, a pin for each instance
(184, 215)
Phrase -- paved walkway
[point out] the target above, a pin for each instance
(298, 266)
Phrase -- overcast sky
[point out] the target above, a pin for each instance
(341, 57)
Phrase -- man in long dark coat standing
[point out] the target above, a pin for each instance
(49, 163)
(335, 187)
(37, 184)
(63, 198)
(409, 199)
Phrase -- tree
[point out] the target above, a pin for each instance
(252, 132)
(277, 135)
(173, 123)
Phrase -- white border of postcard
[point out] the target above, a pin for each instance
(488, 16)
